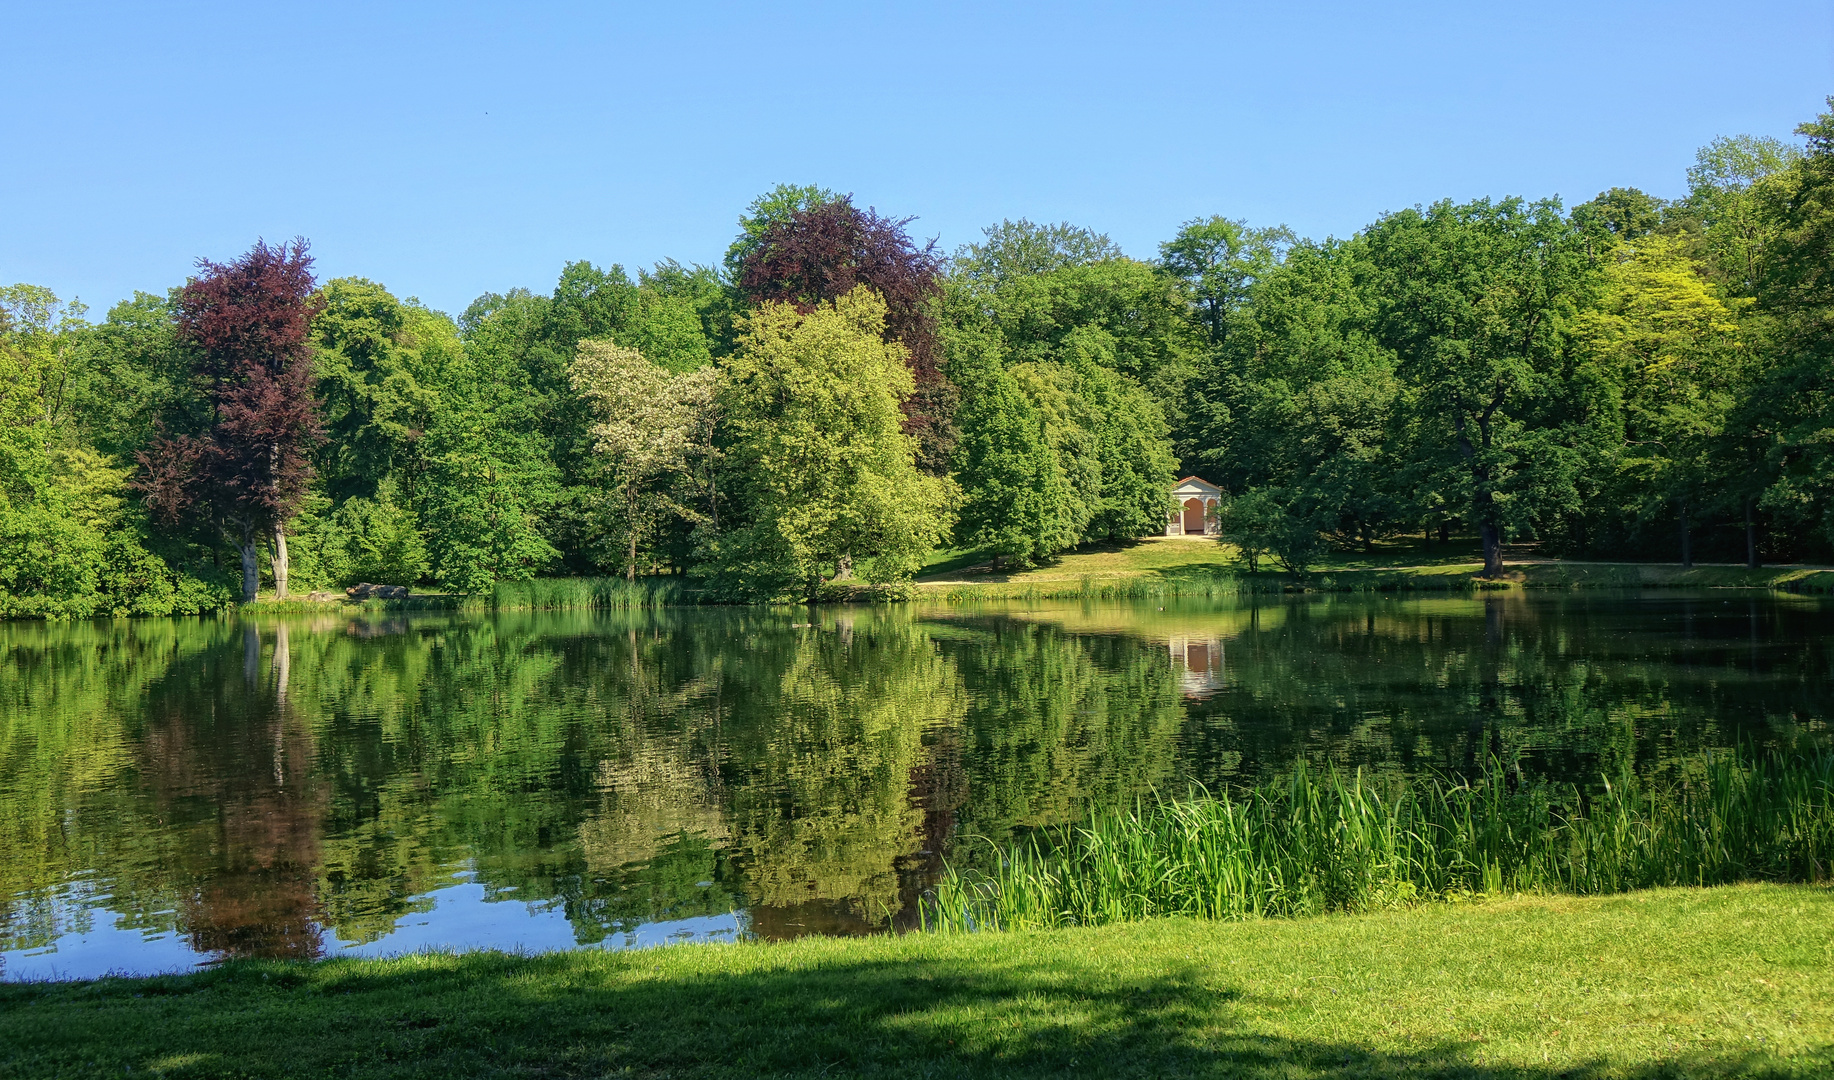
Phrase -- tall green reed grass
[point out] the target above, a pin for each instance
(1315, 842)
(546, 594)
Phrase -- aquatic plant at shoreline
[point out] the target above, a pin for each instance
(1320, 841)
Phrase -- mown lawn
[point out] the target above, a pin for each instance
(1181, 564)
(1735, 981)
(1173, 557)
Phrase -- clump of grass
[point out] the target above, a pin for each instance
(1315, 842)
(547, 594)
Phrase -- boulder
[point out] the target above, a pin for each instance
(366, 591)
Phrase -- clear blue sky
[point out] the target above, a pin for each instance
(446, 150)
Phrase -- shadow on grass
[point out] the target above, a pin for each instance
(490, 1015)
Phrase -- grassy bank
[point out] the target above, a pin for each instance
(1736, 981)
(540, 594)
(1315, 842)
(1180, 566)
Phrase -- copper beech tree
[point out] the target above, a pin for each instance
(247, 325)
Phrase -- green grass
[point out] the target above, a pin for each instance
(1314, 842)
(1178, 566)
(1736, 981)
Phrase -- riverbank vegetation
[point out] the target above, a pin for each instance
(1679, 982)
(1314, 842)
(1632, 378)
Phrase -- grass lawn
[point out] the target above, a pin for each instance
(1189, 564)
(1735, 981)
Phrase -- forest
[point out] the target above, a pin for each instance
(1630, 378)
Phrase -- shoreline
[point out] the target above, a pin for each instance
(1189, 580)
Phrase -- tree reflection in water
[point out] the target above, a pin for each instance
(272, 787)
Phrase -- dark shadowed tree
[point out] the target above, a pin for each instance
(248, 326)
(818, 247)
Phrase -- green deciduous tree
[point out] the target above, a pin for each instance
(652, 425)
(1793, 398)
(1664, 342)
(1218, 261)
(1476, 301)
(380, 363)
(822, 476)
(1017, 503)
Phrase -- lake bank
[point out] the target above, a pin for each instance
(1731, 981)
(1181, 566)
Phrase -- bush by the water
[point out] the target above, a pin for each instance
(1320, 841)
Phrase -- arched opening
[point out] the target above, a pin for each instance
(1193, 517)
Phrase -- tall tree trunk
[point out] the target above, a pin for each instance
(1493, 549)
(630, 530)
(251, 566)
(280, 561)
(1687, 539)
(1751, 533)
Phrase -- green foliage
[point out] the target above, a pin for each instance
(1790, 408)
(822, 476)
(1476, 301)
(1218, 261)
(1017, 503)
(1067, 355)
(379, 364)
(1017, 249)
(654, 429)
(1137, 315)
(380, 542)
(1620, 214)
(70, 545)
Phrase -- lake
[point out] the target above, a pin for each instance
(174, 792)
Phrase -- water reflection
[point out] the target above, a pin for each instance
(178, 791)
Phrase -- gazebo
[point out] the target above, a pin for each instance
(1198, 500)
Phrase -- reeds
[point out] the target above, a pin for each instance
(1316, 842)
(549, 594)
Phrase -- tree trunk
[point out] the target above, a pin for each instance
(845, 570)
(1445, 530)
(1493, 550)
(251, 567)
(1687, 539)
(280, 562)
(1751, 533)
(630, 529)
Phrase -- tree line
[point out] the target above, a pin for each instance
(1632, 377)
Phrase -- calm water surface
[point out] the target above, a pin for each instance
(177, 792)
